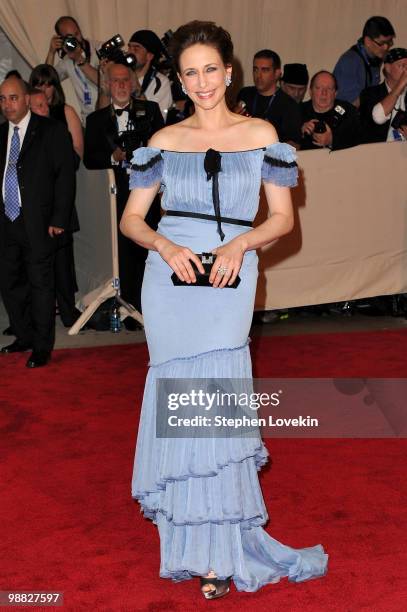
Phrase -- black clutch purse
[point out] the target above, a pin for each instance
(202, 280)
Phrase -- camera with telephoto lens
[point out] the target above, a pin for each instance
(69, 43)
(137, 133)
(320, 127)
(400, 118)
(129, 141)
(165, 42)
(333, 120)
(111, 50)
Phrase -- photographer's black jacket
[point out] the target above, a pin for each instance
(101, 137)
(369, 97)
(280, 110)
(101, 133)
(347, 131)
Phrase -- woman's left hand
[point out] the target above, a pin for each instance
(227, 264)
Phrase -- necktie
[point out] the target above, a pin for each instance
(119, 111)
(11, 203)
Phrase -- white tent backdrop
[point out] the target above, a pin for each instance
(349, 240)
(315, 32)
(345, 201)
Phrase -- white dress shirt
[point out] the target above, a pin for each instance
(379, 117)
(86, 91)
(163, 96)
(122, 122)
(22, 129)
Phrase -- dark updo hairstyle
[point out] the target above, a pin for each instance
(45, 74)
(203, 33)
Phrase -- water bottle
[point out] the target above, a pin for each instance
(115, 321)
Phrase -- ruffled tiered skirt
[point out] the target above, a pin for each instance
(204, 493)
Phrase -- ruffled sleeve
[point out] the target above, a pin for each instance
(146, 167)
(280, 165)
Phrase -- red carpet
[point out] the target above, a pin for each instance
(68, 523)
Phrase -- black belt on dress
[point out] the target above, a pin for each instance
(183, 213)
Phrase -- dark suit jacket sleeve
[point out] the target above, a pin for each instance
(98, 151)
(291, 122)
(349, 132)
(369, 97)
(60, 149)
(157, 122)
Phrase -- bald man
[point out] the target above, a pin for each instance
(38, 179)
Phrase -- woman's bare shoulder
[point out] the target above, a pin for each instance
(259, 133)
(169, 137)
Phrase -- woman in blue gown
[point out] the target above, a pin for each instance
(203, 493)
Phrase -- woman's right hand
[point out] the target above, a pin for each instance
(179, 259)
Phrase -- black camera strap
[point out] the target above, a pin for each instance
(86, 48)
(148, 77)
(360, 50)
(266, 111)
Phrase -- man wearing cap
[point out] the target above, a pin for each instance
(382, 104)
(359, 66)
(294, 81)
(155, 86)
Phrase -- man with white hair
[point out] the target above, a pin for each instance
(383, 107)
(112, 133)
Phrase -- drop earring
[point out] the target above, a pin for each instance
(183, 88)
(228, 80)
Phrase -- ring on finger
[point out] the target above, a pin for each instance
(222, 270)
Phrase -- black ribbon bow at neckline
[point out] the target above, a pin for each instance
(212, 166)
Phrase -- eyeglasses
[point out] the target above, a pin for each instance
(384, 43)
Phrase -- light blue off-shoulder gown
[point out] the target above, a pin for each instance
(203, 493)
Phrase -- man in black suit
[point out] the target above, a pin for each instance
(38, 179)
(380, 104)
(268, 101)
(326, 120)
(111, 135)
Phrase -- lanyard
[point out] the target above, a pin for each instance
(268, 105)
(87, 97)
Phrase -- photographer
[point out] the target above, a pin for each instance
(383, 108)
(269, 102)
(155, 86)
(327, 121)
(112, 133)
(294, 81)
(359, 66)
(78, 62)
